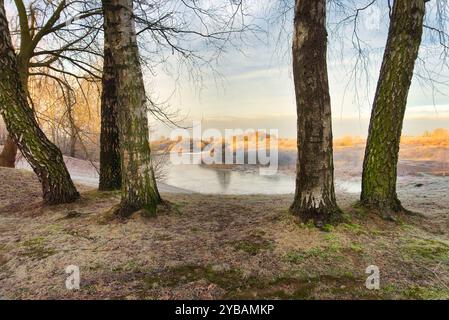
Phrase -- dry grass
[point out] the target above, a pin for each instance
(436, 138)
(349, 141)
(213, 247)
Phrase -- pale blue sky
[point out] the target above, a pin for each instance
(257, 87)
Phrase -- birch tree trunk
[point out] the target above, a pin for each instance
(382, 149)
(139, 189)
(44, 157)
(314, 195)
(9, 153)
(110, 169)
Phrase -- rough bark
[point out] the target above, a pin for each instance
(139, 189)
(315, 194)
(44, 157)
(8, 154)
(382, 149)
(110, 169)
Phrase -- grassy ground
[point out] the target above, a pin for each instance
(214, 247)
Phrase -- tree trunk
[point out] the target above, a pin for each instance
(139, 189)
(73, 130)
(8, 154)
(110, 169)
(44, 157)
(382, 149)
(314, 195)
(73, 138)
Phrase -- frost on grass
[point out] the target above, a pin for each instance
(211, 247)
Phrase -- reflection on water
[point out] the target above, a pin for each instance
(204, 179)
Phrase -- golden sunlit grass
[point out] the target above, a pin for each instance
(348, 141)
(436, 138)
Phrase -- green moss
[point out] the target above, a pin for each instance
(229, 279)
(354, 228)
(310, 225)
(36, 248)
(389, 289)
(331, 237)
(284, 288)
(376, 232)
(333, 243)
(425, 249)
(295, 256)
(236, 284)
(356, 247)
(253, 244)
(149, 210)
(305, 287)
(125, 267)
(360, 210)
(425, 293)
(299, 256)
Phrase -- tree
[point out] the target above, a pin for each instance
(69, 39)
(44, 157)
(110, 170)
(314, 194)
(139, 189)
(382, 148)
(68, 114)
(166, 30)
(8, 154)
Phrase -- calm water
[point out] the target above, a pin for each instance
(221, 181)
(207, 180)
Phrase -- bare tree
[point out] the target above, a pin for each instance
(67, 110)
(110, 168)
(314, 195)
(44, 157)
(382, 148)
(166, 29)
(71, 28)
(410, 51)
(139, 189)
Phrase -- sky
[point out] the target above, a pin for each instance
(255, 87)
(251, 84)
